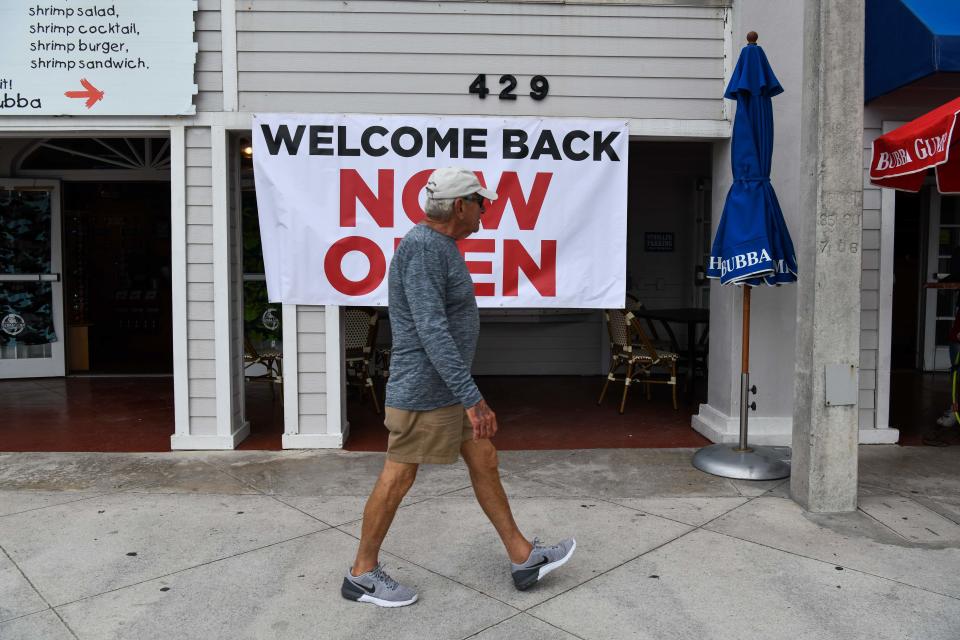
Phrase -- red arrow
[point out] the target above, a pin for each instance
(92, 94)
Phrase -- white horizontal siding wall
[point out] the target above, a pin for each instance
(208, 73)
(201, 336)
(602, 60)
(876, 275)
(314, 386)
(543, 345)
(869, 290)
(311, 370)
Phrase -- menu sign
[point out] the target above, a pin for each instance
(76, 57)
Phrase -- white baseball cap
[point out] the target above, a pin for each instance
(456, 182)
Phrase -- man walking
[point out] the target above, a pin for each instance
(434, 411)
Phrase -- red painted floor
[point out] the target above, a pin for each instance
(558, 412)
(111, 414)
(86, 414)
(916, 401)
(265, 414)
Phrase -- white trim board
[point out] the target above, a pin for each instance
(336, 392)
(728, 59)
(221, 281)
(888, 200)
(879, 436)
(228, 53)
(291, 378)
(313, 441)
(243, 121)
(178, 272)
(721, 428)
(188, 442)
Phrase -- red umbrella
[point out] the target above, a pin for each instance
(901, 158)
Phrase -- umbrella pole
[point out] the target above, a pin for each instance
(741, 461)
(745, 370)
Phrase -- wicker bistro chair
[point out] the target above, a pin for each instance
(361, 337)
(631, 348)
(271, 359)
(662, 344)
(670, 343)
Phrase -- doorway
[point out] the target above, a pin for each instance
(262, 320)
(107, 243)
(117, 277)
(926, 233)
(908, 269)
(542, 370)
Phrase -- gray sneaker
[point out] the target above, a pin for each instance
(542, 561)
(377, 587)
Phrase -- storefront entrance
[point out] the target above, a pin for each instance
(542, 370)
(926, 237)
(85, 294)
(86, 280)
(86, 287)
(117, 261)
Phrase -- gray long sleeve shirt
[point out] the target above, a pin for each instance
(435, 324)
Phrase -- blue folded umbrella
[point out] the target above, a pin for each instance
(752, 245)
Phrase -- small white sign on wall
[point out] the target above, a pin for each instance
(78, 57)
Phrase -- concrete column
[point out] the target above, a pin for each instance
(824, 476)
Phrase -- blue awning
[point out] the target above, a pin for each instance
(907, 40)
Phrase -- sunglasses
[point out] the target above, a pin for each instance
(476, 197)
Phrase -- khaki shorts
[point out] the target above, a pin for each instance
(431, 436)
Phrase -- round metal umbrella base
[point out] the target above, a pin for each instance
(753, 463)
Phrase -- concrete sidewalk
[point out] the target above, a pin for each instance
(254, 545)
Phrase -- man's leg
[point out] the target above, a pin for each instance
(392, 485)
(481, 459)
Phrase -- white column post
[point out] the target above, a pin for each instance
(178, 276)
(337, 424)
(883, 432)
(291, 384)
(313, 377)
(229, 434)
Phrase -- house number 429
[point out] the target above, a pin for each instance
(539, 87)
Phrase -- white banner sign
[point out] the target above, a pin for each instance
(336, 193)
(82, 57)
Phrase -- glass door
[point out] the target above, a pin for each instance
(31, 290)
(943, 255)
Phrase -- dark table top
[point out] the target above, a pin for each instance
(678, 314)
